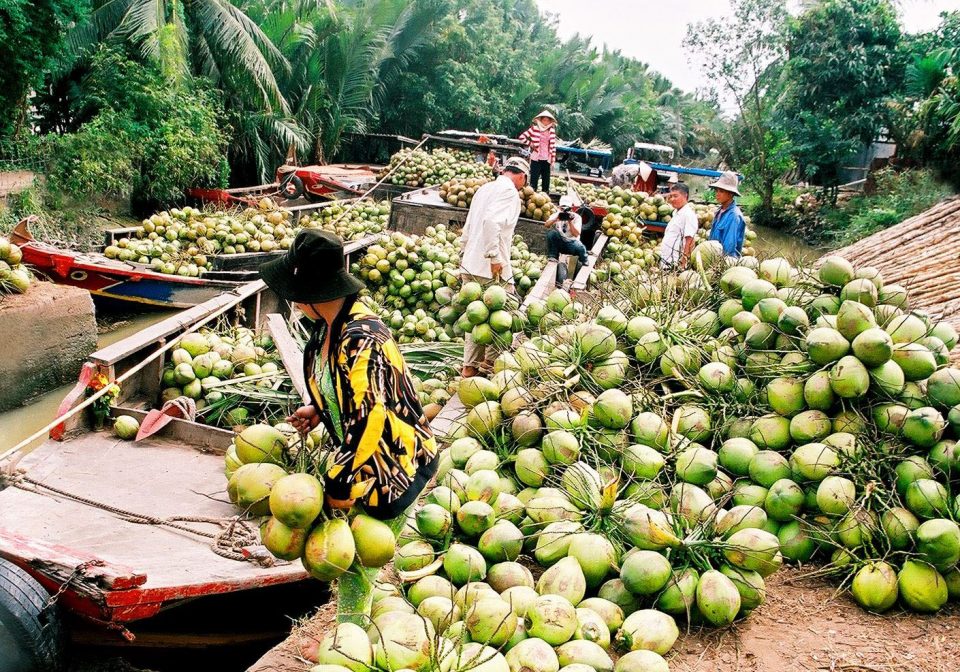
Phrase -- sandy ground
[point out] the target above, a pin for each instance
(804, 626)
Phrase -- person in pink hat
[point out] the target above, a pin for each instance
(541, 139)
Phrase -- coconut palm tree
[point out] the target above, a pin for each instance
(211, 38)
(341, 60)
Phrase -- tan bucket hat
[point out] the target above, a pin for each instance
(519, 164)
(546, 113)
(728, 181)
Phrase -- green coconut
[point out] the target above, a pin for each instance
(917, 362)
(922, 587)
(767, 467)
(650, 630)
(595, 554)
(817, 393)
(943, 388)
(771, 431)
(923, 426)
(938, 543)
(784, 500)
(810, 426)
(650, 429)
(329, 550)
(853, 319)
(753, 291)
(718, 599)
(835, 271)
(551, 618)
(735, 455)
(785, 396)
(751, 549)
(463, 564)
(501, 542)
(566, 579)
(250, 485)
(825, 345)
(875, 587)
(641, 661)
(927, 498)
(861, 290)
(645, 572)
(697, 465)
(613, 409)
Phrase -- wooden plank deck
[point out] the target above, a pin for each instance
(157, 477)
(593, 256)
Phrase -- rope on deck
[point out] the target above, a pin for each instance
(235, 534)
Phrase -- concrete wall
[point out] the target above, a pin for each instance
(45, 336)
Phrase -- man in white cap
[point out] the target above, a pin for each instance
(541, 139)
(729, 227)
(563, 236)
(486, 239)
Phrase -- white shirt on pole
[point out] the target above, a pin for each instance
(683, 224)
(488, 231)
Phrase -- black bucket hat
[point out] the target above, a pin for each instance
(312, 271)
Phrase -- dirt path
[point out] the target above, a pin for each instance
(803, 627)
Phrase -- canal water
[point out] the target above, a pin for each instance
(776, 243)
(19, 423)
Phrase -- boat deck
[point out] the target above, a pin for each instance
(144, 565)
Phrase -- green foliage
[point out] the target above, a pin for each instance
(102, 158)
(744, 54)
(925, 119)
(31, 33)
(897, 195)
(842, 65)
(146, 138)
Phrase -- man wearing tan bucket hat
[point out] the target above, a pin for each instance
(729, 227)
(541, 139)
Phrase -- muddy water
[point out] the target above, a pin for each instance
(19, 423)
(773, 242)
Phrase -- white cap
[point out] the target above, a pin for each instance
(566, 201)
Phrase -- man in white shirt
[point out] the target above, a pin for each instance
(678, 238)
(563, 236)
(486, 239)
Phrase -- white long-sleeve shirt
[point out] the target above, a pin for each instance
(488, 231)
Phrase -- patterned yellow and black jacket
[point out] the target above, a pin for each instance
(367, 402)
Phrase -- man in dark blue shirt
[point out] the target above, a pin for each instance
(729, 227)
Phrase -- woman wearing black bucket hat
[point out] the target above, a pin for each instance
(359, 389)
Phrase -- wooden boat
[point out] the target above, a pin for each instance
(109, 279)
(121, 531)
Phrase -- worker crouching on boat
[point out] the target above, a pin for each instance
(359, 387)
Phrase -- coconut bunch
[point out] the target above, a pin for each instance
(350, 221)
(542, 315)
(535, 204)
(181, 241)
(272, 473)
(459, 192)
(835, 406)
(404, 274)
(15, 278)
(231, 373)
(518, 489)
(527, 266)
(425, 168)
(489, 314)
